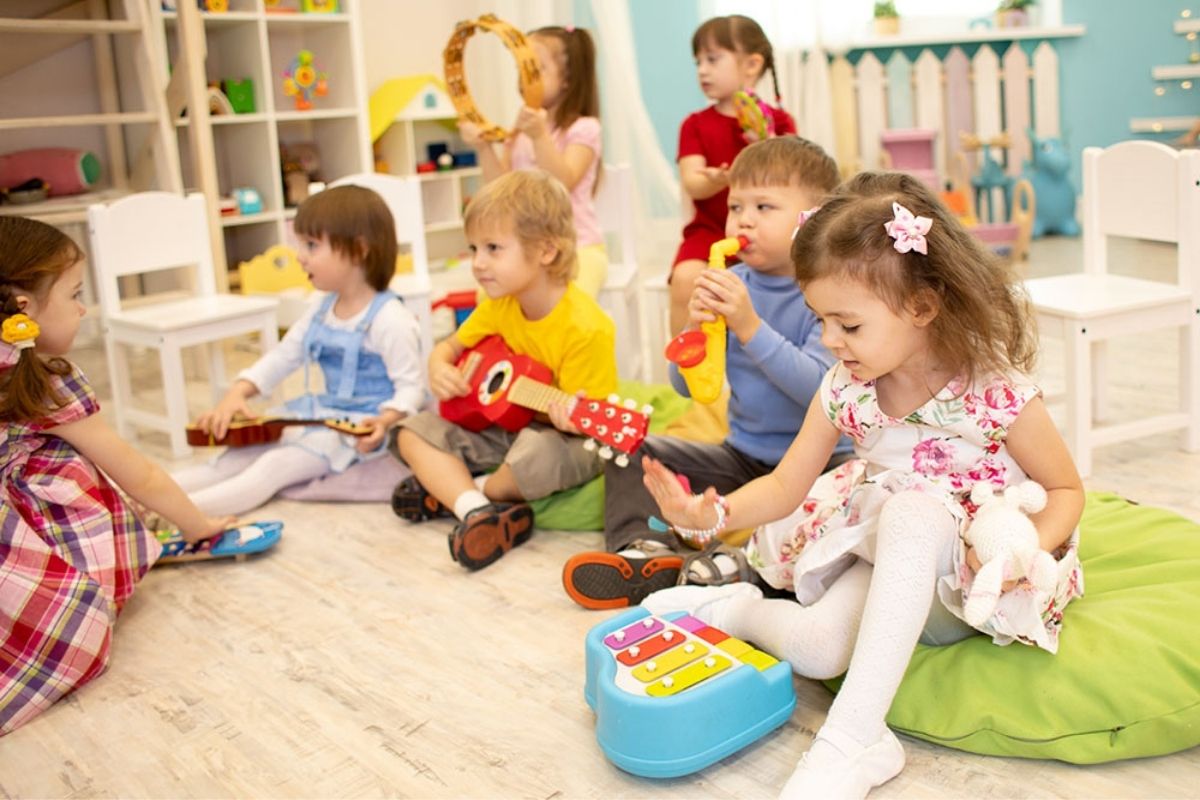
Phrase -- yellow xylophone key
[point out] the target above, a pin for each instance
(758, 659)
(671, 660)
(689, 676)
(735, 647)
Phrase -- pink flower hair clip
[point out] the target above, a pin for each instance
(803, 218)
(908, 231)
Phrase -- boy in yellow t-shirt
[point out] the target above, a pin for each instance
(522, 238)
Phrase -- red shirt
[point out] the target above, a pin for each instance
(719, 139)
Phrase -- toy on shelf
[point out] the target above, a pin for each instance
(1047, 172)
(213, 6)
(754, 116)
(1007, 237)
(240, 94)
(276, 270)
(301, 165)
(528, 76)
(911, 150)
(700, 354)
(304, 80)
(249, 201)
(461, 304)
(673, 695)
(319, 6)
(64, 170)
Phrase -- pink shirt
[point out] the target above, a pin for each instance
(584, 131)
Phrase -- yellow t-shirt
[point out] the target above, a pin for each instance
(576, 340)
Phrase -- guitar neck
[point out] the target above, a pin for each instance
(528, 393)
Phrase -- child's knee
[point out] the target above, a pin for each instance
(912, 513)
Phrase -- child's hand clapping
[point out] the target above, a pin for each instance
(446, 381)
(678, 506)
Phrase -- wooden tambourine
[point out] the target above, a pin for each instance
(529, 76)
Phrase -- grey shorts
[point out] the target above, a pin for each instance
(542, 458)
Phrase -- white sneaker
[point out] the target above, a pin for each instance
(837, 767)
(711, 604)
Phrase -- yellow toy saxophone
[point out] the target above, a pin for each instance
(701, 354)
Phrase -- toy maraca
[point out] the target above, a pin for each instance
(700, 354)
(754, 116)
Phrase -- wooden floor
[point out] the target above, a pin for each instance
(357, 660)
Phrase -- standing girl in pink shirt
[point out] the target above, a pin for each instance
(562, 137)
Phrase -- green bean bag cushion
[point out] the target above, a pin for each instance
(1126, 680)
(582, 508)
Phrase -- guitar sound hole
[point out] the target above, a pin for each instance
(497, 380)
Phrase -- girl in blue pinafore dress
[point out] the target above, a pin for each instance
(364, 341)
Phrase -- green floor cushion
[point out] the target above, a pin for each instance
(582, 508)
(1126, 680)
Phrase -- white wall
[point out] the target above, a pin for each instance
(407, 38)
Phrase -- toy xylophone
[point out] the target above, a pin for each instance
(673, 694)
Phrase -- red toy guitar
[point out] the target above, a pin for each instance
(265, 430)
(508, 389)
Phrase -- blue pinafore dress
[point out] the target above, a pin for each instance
(356, 384)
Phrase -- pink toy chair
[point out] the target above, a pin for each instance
(1145, 190)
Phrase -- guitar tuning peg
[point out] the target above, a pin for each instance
(622, 460)
(647, 409)
(630, 403)
(606, 452)
(589, 445)
(614, 398)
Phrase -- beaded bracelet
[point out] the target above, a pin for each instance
(701, 537)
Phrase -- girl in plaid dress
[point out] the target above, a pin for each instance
(71, 550)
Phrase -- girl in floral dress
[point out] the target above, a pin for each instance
(933, 340)
(71, 551)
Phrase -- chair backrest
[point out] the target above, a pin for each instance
(147, 232)
(1145, 190)
(614, 211)
(403, 197)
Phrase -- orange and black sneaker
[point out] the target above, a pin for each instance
(601, 580)
(410, 501)
(489, 532)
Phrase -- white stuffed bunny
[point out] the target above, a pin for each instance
(1006, 542)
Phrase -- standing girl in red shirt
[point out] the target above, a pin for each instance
(732, 54)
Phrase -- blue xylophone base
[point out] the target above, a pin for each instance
(669, 736)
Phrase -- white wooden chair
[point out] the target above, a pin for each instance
(1144, 190)
(403, 198)
(620, 295)
(149, 232)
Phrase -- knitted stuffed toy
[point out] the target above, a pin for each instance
(1007, 544)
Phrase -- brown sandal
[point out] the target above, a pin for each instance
(489, 532)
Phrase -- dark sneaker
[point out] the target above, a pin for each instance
(489, 532)
(410, 501)
(600, 580)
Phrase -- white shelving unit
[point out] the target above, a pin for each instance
(84, 75)
(1185, 74)
(413, 113)
(251, 42)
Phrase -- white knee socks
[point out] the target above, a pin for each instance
(914, 532)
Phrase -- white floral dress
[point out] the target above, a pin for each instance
(943, 448)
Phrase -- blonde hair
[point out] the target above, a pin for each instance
(536, 206)
(785, 161)
(983, 324)
(359, 226)
(33, 255)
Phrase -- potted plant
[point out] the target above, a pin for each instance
(887, 19)
(1013, 13)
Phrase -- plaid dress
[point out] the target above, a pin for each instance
(71, 552)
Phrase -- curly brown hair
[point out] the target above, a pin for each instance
(984, 323)
(34, 256)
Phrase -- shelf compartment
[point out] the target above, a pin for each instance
(336, 140)
(330, 55)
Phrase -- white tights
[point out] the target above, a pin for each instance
(870, 618)
(244, 478)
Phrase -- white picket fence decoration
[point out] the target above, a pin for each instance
(985, 94)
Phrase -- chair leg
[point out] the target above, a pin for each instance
(175, 393)
(1078, 372)
(119, 384)
(217, 377)
(1189, 375)
(1100, 392)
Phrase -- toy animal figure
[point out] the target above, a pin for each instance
(1047, 171)
(1006, 542)
(991, 173)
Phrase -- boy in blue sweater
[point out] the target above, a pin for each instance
(774, 365)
